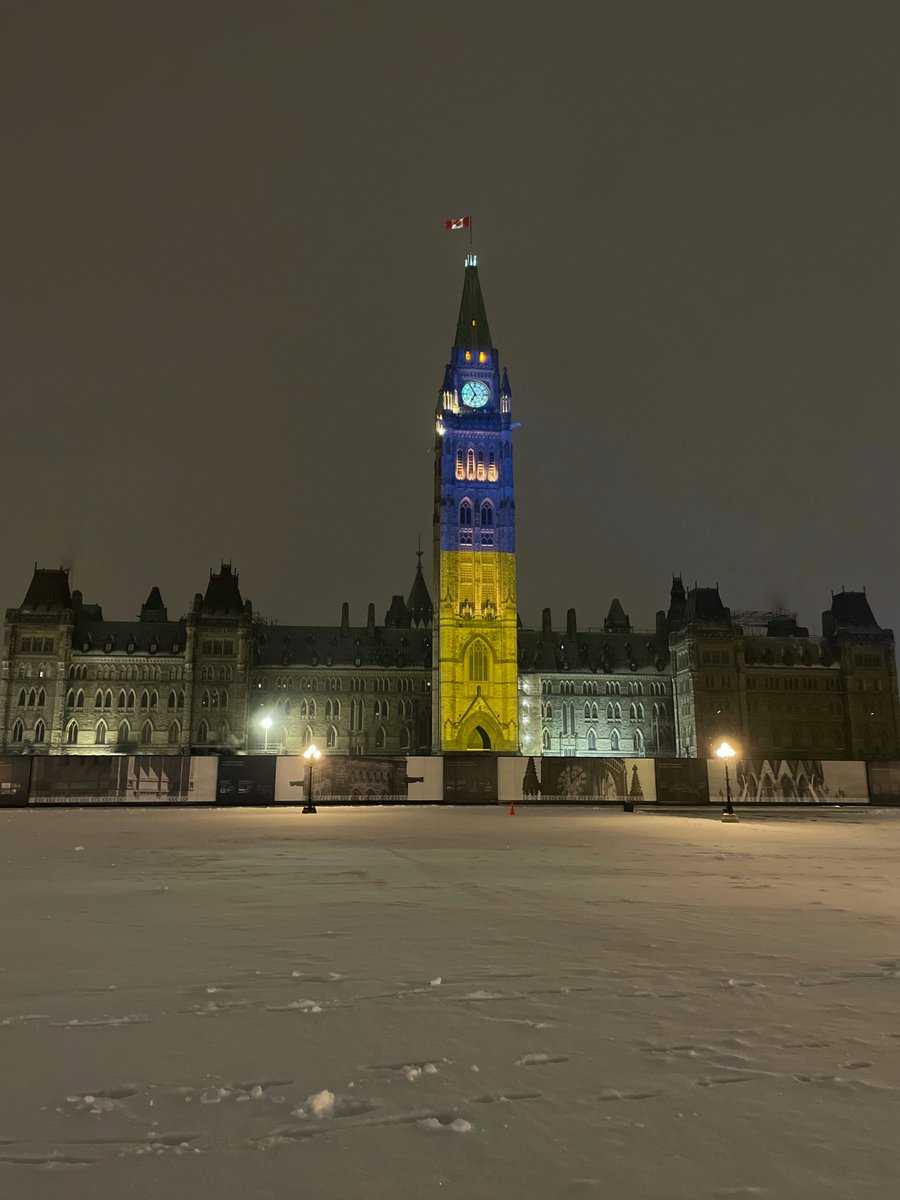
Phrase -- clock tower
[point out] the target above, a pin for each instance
(475, 662)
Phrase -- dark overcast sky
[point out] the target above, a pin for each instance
(227, 295)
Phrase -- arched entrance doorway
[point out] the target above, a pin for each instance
(478, 740)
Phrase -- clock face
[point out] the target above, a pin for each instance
(475, 394)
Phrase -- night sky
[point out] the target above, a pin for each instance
(228, 297)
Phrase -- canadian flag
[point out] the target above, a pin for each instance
(457, 223)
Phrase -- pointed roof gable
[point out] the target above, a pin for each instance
(472, 330)
(223, 596)
(849, 613)
(48, 591)
(616, 619)
(153, 608)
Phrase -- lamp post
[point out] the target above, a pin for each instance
(311, 754)
(266, 723)
(724, 751)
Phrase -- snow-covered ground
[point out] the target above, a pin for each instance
(411, 1003)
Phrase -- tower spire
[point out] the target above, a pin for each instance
(472, 329)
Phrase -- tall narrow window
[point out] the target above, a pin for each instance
(39, 732)
(172, 701)
(478, 662)
(610, 714)
(79, 699)
(100, 734)
(460, 469)
(465, 513)
(123, 734)
(638, 742)
(146, 733)
(545, 739)
(18, 732)
(470, 464)
(203, 732)
(98, 700)
(331, 737)
(614, 740)
(379, 738)
(72, 734)
(174, 733)
(481, 464)
(487, 514)
(592, 740)
(492, 466)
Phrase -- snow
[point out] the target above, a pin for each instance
(648, 1006)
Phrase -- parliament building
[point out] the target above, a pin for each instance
(450, 669)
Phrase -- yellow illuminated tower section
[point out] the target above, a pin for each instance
(475, 654)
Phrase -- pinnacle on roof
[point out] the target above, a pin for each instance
(418, 602)
(505, 389)
(472, 330)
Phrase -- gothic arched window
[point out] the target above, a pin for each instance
(203, 732)
(123, 734)
(481, 464)
(487, 513)
(592, 740)
(492, 466)
(470, 464)
(638, 742)
(174, 733)
(146, 733)
(100, 734)
(18, 732)
(614, 740)
(465, 513)
(331, 738)
(39, 732)
(460, 469)
(72, 734)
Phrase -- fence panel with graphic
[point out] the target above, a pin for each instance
(15, 776)
(788, 781)
(884, 782)
(352, 779)
(122, 779)
(553, 780)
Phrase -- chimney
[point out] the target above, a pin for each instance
(370, 621)
(571, 626)
(345, 619)
(661, 624)
(546, 624)
(77, 599)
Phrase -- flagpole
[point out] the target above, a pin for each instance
(471, 232)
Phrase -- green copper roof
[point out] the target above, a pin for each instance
(472, 330)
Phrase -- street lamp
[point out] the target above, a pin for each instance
(311, 754)
(724, 751)
(266, 723)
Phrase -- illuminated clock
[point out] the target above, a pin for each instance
(475, 394)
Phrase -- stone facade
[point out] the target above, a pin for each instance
(467, 677)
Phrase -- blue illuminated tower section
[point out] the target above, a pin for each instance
(476, 671)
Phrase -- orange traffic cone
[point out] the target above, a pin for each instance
(512, 809)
